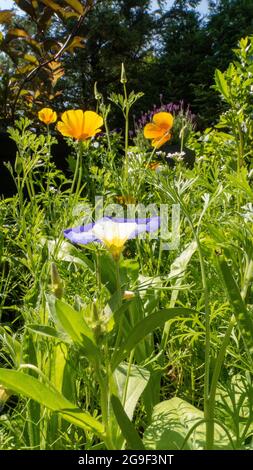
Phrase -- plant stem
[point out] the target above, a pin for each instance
(78, 171)
(118, 290)
(218, 366)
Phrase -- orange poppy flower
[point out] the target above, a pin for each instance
(80, 125)
(47, 115)
(159, 129)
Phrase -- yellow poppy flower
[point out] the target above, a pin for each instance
(159, 129)
(47, 115)
(80, 125)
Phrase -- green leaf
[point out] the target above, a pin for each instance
(48, 331)
(31, 387)
(171, 422)
(145, 327)
(133, 439)
(138, 380)
(243, 317)
(234, 405)
(74, 324)
(221, 84)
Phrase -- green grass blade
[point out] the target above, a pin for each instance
(145, 327)
(243, 317)
(127, 428)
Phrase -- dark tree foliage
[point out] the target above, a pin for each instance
(171, 52)
(227, 23)
(117, 31)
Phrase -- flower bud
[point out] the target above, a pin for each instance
(128, 295)
(123, 78)
(56, 282)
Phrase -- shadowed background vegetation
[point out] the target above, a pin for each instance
(169, 53)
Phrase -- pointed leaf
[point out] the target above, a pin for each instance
(243, 316)
(74, 324)
(145, 327)
(137, 381)
(31, 387)
(129, 432)
(221, 84)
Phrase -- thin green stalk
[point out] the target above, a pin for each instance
(107, 134)
(146, 167)
(104, 393)
(118, 289)
(207, 411)
(126, 130)
(209, 423)
(48, 159)
(218, 365)
(77, 177)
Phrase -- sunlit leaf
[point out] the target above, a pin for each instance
(145, 327)
(31, 387)
(242, 314)
(31, 58)
(137, 381)
(59, 10)
(6, 16)
(76, 5)
(76, 42)
(172, 420)
(133, 439)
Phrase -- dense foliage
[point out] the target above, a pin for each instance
(132, 343)
(171, 52)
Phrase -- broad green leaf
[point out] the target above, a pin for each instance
(145, 327)
(133, 439)
(243, 316)
(221, 84)
(31, 387)
(138, 380)
(178, 268)
(74, 324)
(172, 420)
(48, 331)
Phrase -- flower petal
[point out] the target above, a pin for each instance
(163, 120)
(161, 140)
(74, 122)
(82, 234)
(152, 131)
(92, 123)
(113, 233)
(47, 115)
